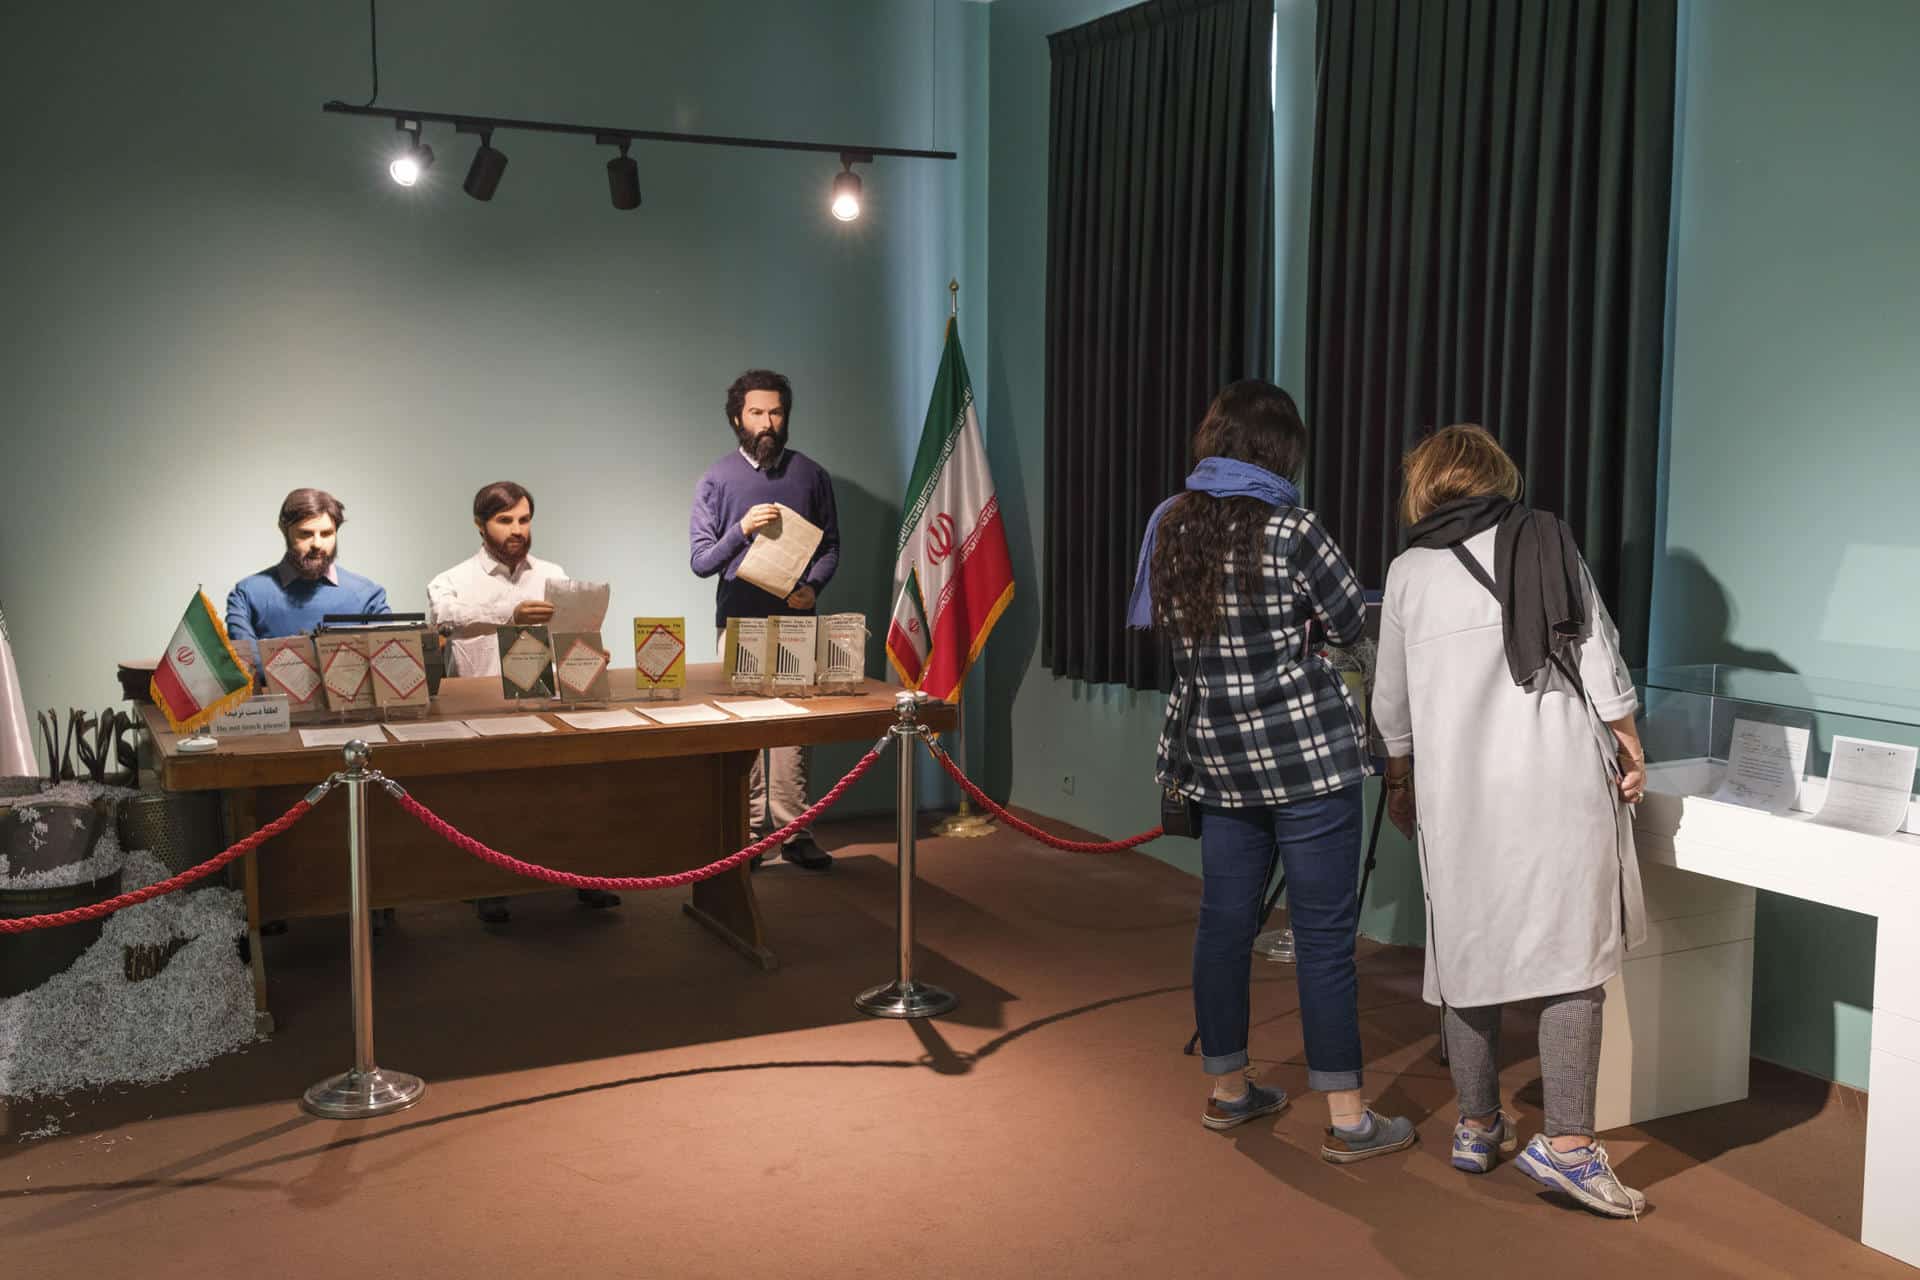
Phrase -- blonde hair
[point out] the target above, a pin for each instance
(1461, 461)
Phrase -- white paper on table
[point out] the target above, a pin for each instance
(780, 553)
(765, 709)
(1869, 785)
(577, 605)
(1764, 766)
(431, 731)
(698, 713)
(340, 735)
(502, 726)
(617, 719)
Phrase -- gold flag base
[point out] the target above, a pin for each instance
(964, 824)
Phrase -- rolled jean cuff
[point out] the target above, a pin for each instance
(1333, 1081)
(1225, 1064)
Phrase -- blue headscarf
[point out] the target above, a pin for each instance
(1222, 478)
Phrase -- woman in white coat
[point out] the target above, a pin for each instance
(1500, 674)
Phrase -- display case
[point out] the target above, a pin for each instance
(1794, 785)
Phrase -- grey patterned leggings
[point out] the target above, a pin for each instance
(1569, 1059)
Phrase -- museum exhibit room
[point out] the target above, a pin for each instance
(960, 638)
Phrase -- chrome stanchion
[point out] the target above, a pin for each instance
(366, 1090)
(905, 997)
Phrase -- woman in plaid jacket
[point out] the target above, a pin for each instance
(1262, 734)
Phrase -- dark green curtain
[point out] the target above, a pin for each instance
(1491, 184)
(1159, 291)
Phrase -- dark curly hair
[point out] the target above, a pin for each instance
(1201, 536)
(757, 380)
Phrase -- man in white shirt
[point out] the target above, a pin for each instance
(500, 583)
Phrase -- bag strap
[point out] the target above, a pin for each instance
(1485, 579)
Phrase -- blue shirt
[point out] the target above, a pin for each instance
(279, 602)
(732, 487)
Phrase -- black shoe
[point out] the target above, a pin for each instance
(807, 855)
(492, 910)
(598, 899)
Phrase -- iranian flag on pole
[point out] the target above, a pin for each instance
(200, 675)
(952, 577)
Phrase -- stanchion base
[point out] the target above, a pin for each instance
(964, 826)
(909, 1000)
(353, 1096)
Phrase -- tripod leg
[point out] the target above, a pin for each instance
(1440, 1050)
(1373, 845)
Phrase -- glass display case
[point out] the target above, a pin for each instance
(1695, 720)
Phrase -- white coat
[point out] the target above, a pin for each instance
(1532, 885)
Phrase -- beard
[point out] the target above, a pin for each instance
(511, 550)
(313, 565)
(764, 446)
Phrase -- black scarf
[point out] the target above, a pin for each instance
(1536, 574)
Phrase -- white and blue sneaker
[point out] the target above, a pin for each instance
(1475, 1150)
(1222, 1113)
(1584, 1173)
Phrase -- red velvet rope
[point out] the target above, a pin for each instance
(1027, 828)
(459, 840)
(241, 848)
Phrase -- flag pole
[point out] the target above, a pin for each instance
(963, 823)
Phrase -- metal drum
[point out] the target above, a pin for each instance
(180, 828)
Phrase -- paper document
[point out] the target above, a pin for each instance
(341, 735)
(1764, 765)
(501, 726)
(1868, 786)
(577, 606)
(765, 709)
(431, 731)
(780, 553)
(601, 719)
(698, 713)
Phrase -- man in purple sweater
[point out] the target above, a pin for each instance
(735, 500)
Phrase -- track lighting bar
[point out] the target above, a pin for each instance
(485, 124)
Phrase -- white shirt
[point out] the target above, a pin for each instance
(477, 596)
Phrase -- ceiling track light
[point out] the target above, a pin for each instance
(414, 158)
(623, 172)
(846, 186)
(484, 174)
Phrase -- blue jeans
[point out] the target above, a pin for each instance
(1317, 842)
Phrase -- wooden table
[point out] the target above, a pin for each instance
(640, 801)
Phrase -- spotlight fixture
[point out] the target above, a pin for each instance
(483, 175)
(623, 172)
(414, 159)
(846, 185)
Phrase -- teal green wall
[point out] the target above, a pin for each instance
(214, 294)
(1790, 535)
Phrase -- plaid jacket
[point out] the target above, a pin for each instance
(1255, 719)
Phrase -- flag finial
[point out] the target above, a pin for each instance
(953, 297)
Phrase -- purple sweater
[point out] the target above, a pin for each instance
(729, 489)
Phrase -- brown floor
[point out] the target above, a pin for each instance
(618, 1094)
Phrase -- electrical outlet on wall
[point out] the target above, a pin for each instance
(1066, 783)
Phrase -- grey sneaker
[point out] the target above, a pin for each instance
(1585, 1174)
(1378, 1136)
(1475, 1150)
(1222, 1114)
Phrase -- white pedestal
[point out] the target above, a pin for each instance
(1679, 1017)
(1678, 828)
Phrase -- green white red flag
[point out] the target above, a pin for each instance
(952, 576)
(200, 675)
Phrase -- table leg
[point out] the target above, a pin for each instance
(243, 821)
(726, 904)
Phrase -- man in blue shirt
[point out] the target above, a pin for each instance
(734, 501)
(291, 598)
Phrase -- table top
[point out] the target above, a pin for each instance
(281, 759)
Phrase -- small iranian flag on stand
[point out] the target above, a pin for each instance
(200, 675)
(952, 577)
